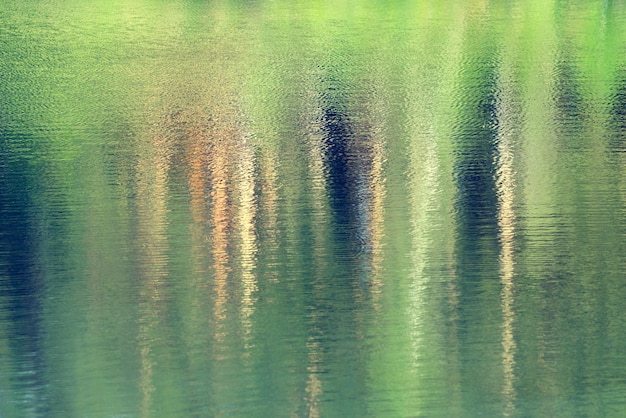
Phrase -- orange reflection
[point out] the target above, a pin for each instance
(219, 176)
(197, 175)
(231, 172)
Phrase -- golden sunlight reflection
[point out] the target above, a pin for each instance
(197, 176)
(220, 177)
(246, 184)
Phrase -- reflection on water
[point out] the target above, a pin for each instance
(152, 262)
(358, 210)
(505, 188)
(247, 208)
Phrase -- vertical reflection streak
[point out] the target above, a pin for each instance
(451, 70)
(151, 209)
(220, 219)
(423, 195)
(313, 387)
(269, 203)
(377, 191)
(377, 187)
(315, 357)
(321, 208)
(196, 333)
(428, 141)
(505, 185)
(197, 180)
(247, 217)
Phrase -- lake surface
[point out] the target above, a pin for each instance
(312, 208)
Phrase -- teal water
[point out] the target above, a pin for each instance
(312, 209)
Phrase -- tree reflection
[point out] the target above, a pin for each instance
(151, 181)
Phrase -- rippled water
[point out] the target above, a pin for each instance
(334, 209)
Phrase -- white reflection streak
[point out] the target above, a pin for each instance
(378, 192)
(247, 216)
(424, 189)
(376, 216)
(314, 388)
(505, 184)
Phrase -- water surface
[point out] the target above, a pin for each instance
(307, 209)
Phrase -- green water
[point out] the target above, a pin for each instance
(312, 209)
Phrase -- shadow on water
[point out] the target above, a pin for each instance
(21, 286)
(618, 115)
(570, 104)
(477, 200)
(354, 188)
(342, 291)
(337, 159)
(477, 245)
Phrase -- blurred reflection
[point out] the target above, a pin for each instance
(430, 123)
(376, 216)
(476, 211)
(197, 335)
(505, 185)
(151, 193)
(337, 158)
(346, 160)
(314, 385)
(373, 157)
(354, 165)
(219, 177)
(424, 198)
(246, 183)
(223, 163)
(313, 388)
(22, 293)
(198, 156)
(618, 125)
(256, 237)
(269, 205)
(540, 192)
